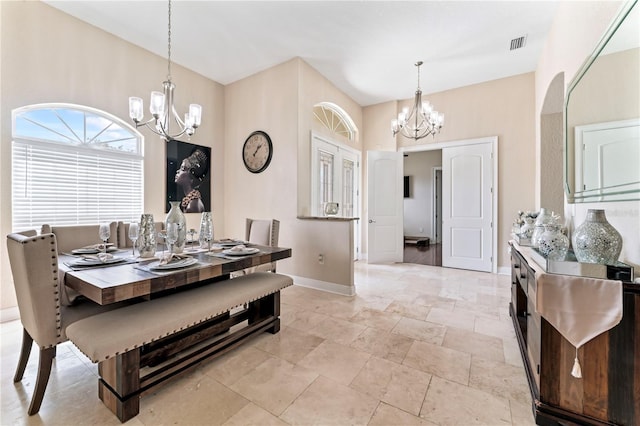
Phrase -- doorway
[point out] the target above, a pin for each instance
(469, 200)
(422, 228)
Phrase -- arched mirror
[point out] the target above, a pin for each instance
(602, 113)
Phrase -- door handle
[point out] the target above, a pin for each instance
(372, 221)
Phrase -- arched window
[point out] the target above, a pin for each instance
(73, 164)
(335, 119)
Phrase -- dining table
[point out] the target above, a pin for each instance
(132, 279)
(145, 283)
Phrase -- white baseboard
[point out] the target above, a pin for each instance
(324, 286)
(9, 314)
(504, 270)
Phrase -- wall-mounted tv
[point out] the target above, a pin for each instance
(407, 186)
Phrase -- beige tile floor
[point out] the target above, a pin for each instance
(418, 345)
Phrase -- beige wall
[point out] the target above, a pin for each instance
(577, 28)
(502, 108)
(280, 101)
(48, 56)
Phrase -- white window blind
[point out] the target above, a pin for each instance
(66, 183)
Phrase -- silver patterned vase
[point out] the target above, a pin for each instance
(596, 241)
(147, 241)
(206, 230)
(175, 215)
(553, 243)
(527, 229)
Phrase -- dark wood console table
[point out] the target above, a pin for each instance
(609, 390)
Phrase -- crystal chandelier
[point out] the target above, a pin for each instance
(422, 121)
(162, 109)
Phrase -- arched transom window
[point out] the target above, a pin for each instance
(73, 164)
(335, 119)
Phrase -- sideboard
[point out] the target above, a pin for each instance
(609, 390)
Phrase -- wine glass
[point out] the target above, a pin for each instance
(134, 233)
(172, 235)
(163, 235)
(104, 232)
(192, 234)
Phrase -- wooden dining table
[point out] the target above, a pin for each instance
(125, 281)
(130, 374)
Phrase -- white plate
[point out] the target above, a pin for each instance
(94, 262)
(182, 263)
(229, 243)
(246, 251)
(92, 250)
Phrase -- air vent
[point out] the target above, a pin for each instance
(518, 43)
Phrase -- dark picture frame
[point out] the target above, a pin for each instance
(193, 186)
(407, 187)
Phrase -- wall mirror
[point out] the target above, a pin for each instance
(602, 113)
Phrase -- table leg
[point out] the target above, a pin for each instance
(119, 384)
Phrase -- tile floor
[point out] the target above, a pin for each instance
(418, 345)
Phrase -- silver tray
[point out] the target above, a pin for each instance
(571, 266)
(524, 242)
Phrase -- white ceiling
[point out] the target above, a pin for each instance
(366, 48)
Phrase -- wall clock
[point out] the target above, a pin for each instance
(257, 151)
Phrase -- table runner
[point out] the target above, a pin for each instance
(579, 308)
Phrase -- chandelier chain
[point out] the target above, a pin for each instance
(418, 65)
(169, 45)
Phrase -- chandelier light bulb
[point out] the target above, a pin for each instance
(195, 112)
(135, 109)
(156, 105)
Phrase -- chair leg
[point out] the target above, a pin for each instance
(44, 370)
(25, 351)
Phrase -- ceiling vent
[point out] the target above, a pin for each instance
(518, 43)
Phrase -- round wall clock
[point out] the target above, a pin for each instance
(257, 151)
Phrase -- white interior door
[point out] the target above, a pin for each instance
(385, 207)
(467, 207)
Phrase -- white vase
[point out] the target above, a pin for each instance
(175, 215)
(544, 218)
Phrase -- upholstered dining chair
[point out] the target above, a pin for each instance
(37, 281)
(71, 237)
(264, 232)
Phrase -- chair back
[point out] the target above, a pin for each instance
(34, 265)
(71, 237)
(262, 231)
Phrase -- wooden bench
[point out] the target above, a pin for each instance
(141, 345)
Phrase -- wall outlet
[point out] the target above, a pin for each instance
(421, 230)
(321, 259)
